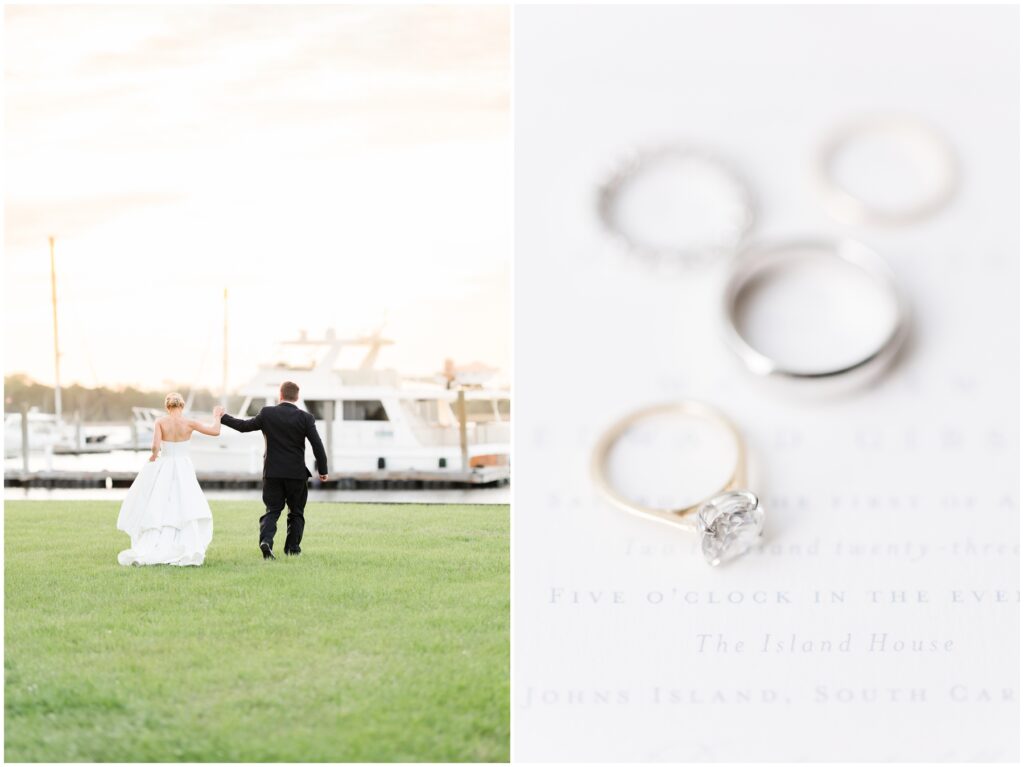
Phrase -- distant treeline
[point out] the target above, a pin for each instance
(100, 404)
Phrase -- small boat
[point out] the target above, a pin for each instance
(45, 432)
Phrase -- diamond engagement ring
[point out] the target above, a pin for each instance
(728, 521)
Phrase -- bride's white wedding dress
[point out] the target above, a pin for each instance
(166, 513)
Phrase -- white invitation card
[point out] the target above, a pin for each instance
(879, 617)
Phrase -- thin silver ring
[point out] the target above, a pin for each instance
(755, 260)
(845, 206)
(685, 254)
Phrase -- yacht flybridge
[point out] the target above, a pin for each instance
(374, 424)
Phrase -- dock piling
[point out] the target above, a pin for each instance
(24, 438)
(463, 439)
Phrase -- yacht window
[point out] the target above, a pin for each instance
(426, 409)
(318, 407)
(479, 410)
(255, 406)
(364, 410)
(504, 408)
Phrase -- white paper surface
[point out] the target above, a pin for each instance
(892, 515)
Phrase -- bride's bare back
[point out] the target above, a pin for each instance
(175, 427)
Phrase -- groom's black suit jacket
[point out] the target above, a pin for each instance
(285, 430)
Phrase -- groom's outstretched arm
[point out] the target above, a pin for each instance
(318, 447)
(250, 424)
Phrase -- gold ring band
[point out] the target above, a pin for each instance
(681, 517)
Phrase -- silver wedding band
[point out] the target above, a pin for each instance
(754, 261)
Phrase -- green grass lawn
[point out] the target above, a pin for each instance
(387, 640)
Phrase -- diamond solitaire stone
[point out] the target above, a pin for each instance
(729, 524)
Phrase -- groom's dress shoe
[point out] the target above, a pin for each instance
(292, 553)
(267, 552)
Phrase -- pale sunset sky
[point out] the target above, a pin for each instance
(331, 166)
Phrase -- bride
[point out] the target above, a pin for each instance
(165, 512)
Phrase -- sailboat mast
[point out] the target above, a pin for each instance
(56, 342)
(224, 377)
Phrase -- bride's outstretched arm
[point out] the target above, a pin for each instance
(157, 436)
(212, 429)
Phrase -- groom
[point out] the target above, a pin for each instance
(285, 431)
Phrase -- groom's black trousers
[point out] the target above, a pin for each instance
(278, 492)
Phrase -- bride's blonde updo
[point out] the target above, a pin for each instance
(174, 401)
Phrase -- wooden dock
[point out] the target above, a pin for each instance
(486, 476)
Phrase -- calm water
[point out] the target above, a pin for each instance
(117, 460)
(489, 495)
(130, 460)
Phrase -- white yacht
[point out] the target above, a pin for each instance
(373, 422)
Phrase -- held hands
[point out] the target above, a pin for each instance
(323, 477)
(218, 412)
